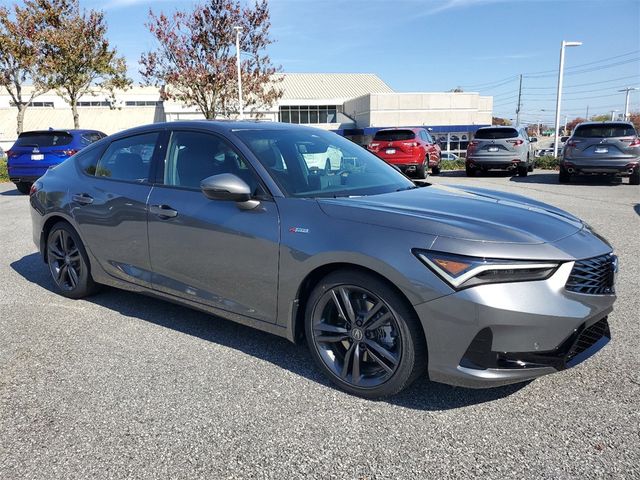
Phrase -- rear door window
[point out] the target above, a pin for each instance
(496, 133)
(128, 159)
(89, 138)
(394, 135)
(604, 131)
(43, 139)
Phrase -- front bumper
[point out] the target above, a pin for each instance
(498, 334)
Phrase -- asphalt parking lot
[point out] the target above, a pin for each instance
(125, 386)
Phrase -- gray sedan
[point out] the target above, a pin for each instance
(385, 280)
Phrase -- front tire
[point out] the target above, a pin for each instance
(363, 335)
(68, 262)
(23, 187)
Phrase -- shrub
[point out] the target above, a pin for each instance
(4, 174)
(452, 164)
(547, 162)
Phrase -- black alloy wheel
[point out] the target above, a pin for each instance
(366, 339)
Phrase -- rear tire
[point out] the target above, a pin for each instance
(23, 187)
(523, 171)
(634, 178)
(435, 170)
(68, 262)
(386, 343)
(564, 176)
(470, 171)
(422, 172)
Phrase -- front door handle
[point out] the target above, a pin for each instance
(82, 198)
(163, 211)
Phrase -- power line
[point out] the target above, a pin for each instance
(587, 84)
(586, 64)
(588, 70)
(483, 85)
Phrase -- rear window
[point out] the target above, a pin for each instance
(43, 139)
(607, 130)
(496, 133)
(394, 135)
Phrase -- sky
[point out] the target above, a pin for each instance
(437, 45)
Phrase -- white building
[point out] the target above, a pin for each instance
(353, 104)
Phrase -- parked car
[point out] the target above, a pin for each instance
(413, 150)
(449, 156)
(34, 152)
(383, 279)
(501, 148)
(602, 148)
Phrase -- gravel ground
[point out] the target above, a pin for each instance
(124, 386)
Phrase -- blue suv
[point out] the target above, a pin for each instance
(34, 152)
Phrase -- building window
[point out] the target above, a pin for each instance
(37, 104)
(94, 103)
(312, 114)
(143, 103)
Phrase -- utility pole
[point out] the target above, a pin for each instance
(519, 98)
(587, 115)
(627, 91)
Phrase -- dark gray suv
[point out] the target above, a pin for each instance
(609, 148)
(385, 280)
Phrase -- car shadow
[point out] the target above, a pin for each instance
(422, 395)
(551, 178)
(636, 208)
(11, 193)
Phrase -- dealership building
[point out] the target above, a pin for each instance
(355, 105)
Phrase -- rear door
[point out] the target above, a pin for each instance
(110, 207)
(209, 251)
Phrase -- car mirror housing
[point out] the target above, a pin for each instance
(227, 186)
(533, 139)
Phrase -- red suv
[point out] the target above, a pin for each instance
(413, 150)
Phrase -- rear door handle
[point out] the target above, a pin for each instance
(163, 211)
(82, 198)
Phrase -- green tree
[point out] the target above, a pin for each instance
(601, 118)
(634, 118)
(19, 59)
(76, 54)
(195, 59)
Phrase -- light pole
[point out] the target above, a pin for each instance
(238, 31)
(613, 115)
(628, 90)
(559, 95)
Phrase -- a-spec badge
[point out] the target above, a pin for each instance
(298, 230)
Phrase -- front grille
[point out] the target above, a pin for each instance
(594, 276)
(588, 337)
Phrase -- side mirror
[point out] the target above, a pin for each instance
(533, 139)
(227, 186)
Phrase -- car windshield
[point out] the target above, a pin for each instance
(394, 135)
(496, 133)
(605, 130)
(313, 163)
(43, 139)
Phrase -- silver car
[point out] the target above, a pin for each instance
(501, 148)
(609, 148)
(385, 281)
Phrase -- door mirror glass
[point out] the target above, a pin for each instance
(230, 187)
(533, 139)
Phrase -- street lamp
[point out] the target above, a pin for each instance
(238, 31)
(626, 100)
(559, 95)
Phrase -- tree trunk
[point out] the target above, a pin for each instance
(22, 107)
(74, 110)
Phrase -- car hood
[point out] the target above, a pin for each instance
(474, 214)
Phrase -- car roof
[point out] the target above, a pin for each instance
(498, 126)
(55, 130)
(413, 129)
(608, 122)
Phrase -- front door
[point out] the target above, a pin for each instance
(211, 251)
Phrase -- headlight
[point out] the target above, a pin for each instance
(463, 272)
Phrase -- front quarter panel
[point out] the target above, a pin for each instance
(311, 239)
